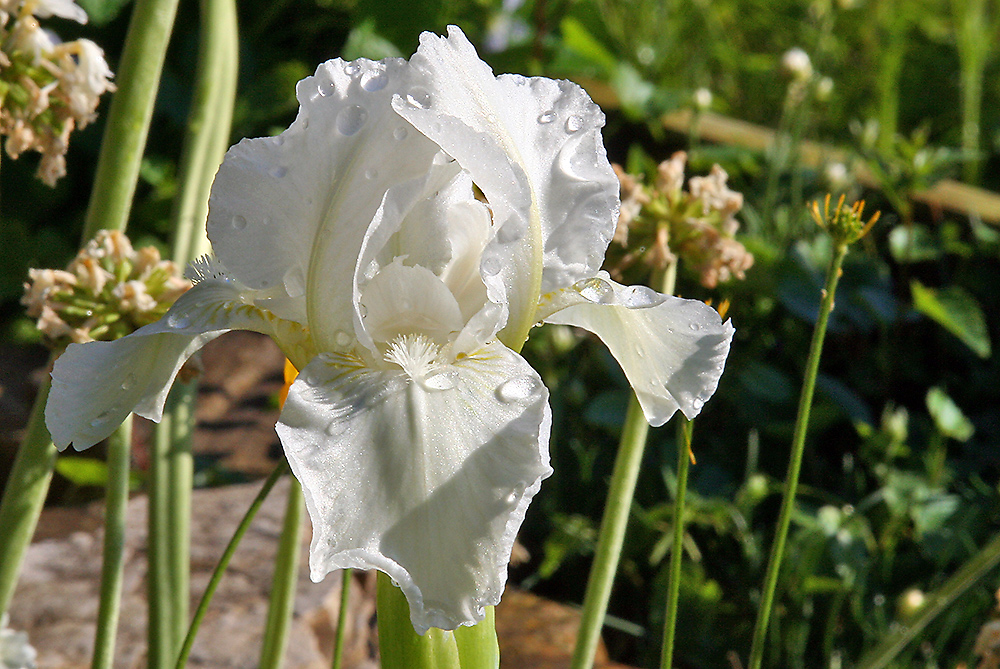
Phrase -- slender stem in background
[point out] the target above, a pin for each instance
(180, 475)
(345, 599)
(162, 645)
(891, 27)
(24, 495)
(113, 559)
(227, 556)
(283, 585)
(795, 462)
(684, 431)
(131, 110)
(616, 513)
(977, 567)
(973, 29)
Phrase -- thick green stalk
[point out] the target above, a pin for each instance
(615, 520)
(113, 559)
(286, 577)
(180, 475)
(162, 645)
(977, 567)
(684, 430)
(795, 463)
(345, 599)
(401, 647)
(24, 495)
(227, 556)
(973, 29)
(131, 110)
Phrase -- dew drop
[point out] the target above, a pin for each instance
(352, 69)
(547, 117)
(491, 266)
(178, 320)
(515, 494)
(697, 403)
(238, 222)
(279, 140)
(342, 338)
(350, 119)
(326, 88)
(101, 418)
(597, 290)
(279, 172)
(363, 310)
(419, 97)
(694, 326)
(305, 123)
(573, 124)
(518, 389)
(371, 174)
(440, 381)
(295, 284)
(400, 133)
(371, 270)
(128, 382)
(374, 80)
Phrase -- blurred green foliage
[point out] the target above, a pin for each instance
(900, 480)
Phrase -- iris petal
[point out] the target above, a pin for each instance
(424, 477)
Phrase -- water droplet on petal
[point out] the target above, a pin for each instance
(326, 88)
(547, 117)
(515, 495)
(518, 389)
(101, 418)
(419, 97)
(279, 172)
(491, 266)
(573, 124)
(352, 69)
(279, 140)
(440, 381)
(694, 326)
(597, 290)
(178, 320)
(697, 403)
(400, 133)
(295, 284)
(238, 222)
(363, 310)
(342, 338)
(374, 80)
(335, 427)
(371, 270)
(371, 174)
(304, 123)
(128, 382)
(350, 119)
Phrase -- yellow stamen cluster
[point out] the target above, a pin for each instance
(845, 225)
(108, 291)
(662, 223)
(47, 87)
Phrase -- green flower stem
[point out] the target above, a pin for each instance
(162, 645)
(180, 475)
(615, 520)
(285, 580)
(795, 463)
(24, 495)
(227, 556)
(209, 126)
(129, 116)
(113, 559)
(684, 431)
(977, 567)
(345, 599)
(401, 647)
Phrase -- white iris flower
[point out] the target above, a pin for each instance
(355, 240)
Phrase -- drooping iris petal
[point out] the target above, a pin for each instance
(97, 384)
(672, 351)
(425, 474)
(534, 147)
(291, 211)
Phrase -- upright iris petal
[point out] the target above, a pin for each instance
(354, 238)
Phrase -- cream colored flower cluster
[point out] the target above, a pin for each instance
(107, 292)
(662, 222)
(47, 87)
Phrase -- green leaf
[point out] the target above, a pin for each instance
(948, 418)
(956, 311)
(913, 243)
(578, 39)
(83, 471)
(101, 12)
